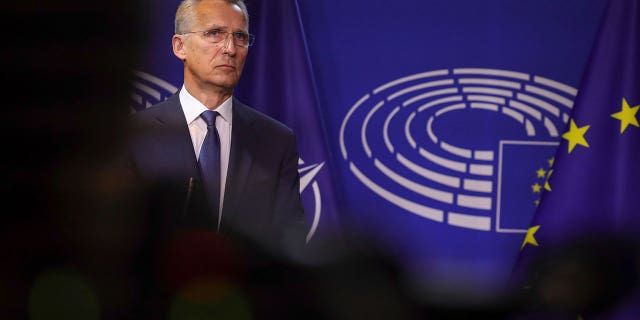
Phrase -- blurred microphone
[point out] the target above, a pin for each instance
(187, 199)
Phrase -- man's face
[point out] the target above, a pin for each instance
(219, 64)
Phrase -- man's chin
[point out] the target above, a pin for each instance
(228, 83)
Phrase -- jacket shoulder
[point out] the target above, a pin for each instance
(157, 110)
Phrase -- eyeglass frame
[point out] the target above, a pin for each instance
(250, 38)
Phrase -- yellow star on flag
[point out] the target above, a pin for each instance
(575, 135)
(551, 161)
(541, 173)
(529, 238)
(627, 116)
(547, 186)
(536, 188)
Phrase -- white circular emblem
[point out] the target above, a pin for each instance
(420, 142)
(149, 90)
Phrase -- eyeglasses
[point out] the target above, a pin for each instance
(240, 39)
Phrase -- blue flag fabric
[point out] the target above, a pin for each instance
(278, 80)
(588, 218)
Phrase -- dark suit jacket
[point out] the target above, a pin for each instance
(262, 198)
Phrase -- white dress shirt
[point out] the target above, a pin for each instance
(192, 109)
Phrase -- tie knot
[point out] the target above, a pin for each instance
(210, 117)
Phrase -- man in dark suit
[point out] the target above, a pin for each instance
(258, 197)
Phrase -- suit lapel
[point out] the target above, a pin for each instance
(173, 119)
(240, 159)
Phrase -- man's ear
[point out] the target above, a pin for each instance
(178, 45)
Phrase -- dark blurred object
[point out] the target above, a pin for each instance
(590, 277)
(66, 70)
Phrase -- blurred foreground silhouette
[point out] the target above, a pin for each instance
(77, 241)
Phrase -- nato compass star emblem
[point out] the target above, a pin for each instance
(308, 173)
(312, 202)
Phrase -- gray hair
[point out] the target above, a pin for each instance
(185, 14)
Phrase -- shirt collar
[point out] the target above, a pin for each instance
(192, 108)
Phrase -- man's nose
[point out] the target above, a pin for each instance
(228, 46)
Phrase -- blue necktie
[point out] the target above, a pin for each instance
(209, 162)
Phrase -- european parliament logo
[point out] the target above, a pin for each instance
(458, 146)
(149, 90)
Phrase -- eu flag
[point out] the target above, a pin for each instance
(577, 256)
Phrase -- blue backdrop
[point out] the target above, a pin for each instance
(425, 127)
